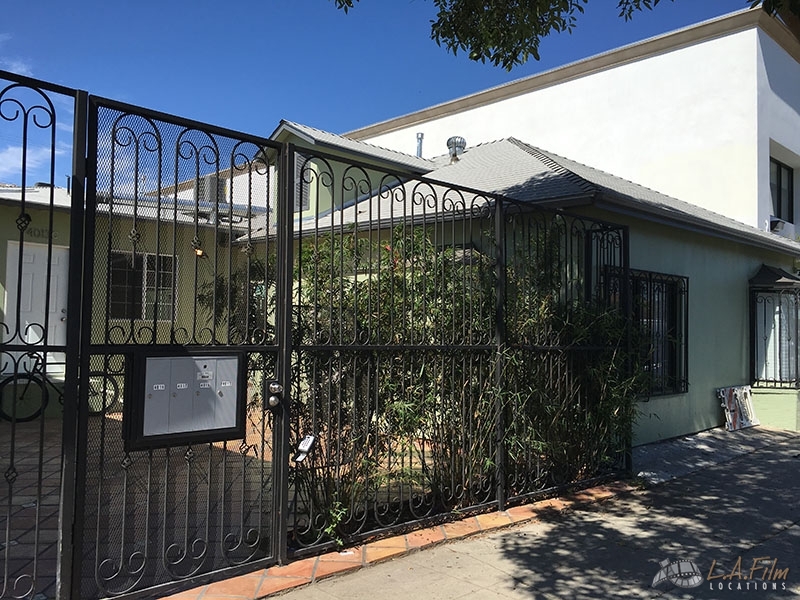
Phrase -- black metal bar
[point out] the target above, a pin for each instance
(87, 251)
(69, 559)
(627, 310)
(588, 252)
(752, 296)
(283, 318)
(186, 123)
(500, 348)
(38, 84)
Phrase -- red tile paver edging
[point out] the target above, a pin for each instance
(266, 582)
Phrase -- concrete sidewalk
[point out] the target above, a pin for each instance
(718, 499)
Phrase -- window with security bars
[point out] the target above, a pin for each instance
(142, 286)
(775, 331)
(660, 307)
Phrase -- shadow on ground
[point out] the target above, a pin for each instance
(746, 507)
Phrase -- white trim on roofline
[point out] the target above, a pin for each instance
(714, 28)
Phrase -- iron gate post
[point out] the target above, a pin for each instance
(500, 346)
(284, 320)
(88, 182)
(68, 556)
(627, 304)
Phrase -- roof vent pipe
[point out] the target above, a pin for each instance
(456, 146)
(420, 135)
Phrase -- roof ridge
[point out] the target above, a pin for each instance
(548, 160)
(468, 148)
(355, 141)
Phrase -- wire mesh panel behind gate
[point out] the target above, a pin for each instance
(177, 271)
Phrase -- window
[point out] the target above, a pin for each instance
(304, 174)
(142, 286)
(660, 306)
(781, 184)
(774, 312)
(776, 337)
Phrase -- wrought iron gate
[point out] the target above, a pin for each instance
(36, 331)
(419, 327)
(175, 483)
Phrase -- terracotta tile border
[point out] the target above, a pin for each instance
(303, 572)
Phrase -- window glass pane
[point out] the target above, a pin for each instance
(159, 289)
(781, 188)
(125, 286)
(133, 290)
(785, 192)
(774, 177)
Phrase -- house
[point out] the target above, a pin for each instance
(398, 312)
(709, 114)
(690, 266)
(140, 287)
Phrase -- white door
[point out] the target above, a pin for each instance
(31, 292)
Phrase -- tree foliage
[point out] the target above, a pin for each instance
(507, 33)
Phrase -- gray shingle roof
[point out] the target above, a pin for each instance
(507, 168)
(517, 170)
(523, 172)
(363, 149)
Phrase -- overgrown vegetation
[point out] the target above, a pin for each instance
(424, 389)
(413, 401)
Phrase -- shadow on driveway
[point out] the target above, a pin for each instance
(745, 507)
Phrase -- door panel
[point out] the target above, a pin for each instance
(29, 296)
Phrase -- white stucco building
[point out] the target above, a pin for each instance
(708, 114)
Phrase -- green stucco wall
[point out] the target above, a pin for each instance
(189, 279)
(778, 408)
(718, 340)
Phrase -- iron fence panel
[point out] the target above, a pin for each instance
(437, 365)
(183, 252)
(444, 350)
(36, 120)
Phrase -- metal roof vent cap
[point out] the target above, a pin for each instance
(456, 146)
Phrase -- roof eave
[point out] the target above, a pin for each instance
(691, 223)
(287, 128)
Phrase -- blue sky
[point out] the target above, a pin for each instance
(246, 65)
